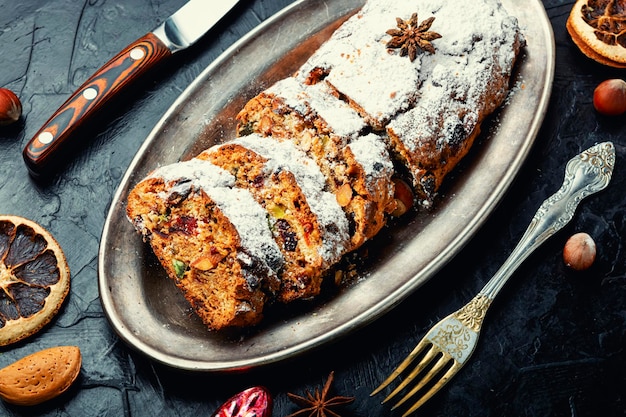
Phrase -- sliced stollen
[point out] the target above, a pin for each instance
(223, 258)
(400, 89)
(307, 221)
(370, 187)
(356, 165)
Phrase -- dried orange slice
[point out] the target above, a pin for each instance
(598, 28)
(34, 278)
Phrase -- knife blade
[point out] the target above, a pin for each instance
(178, 32)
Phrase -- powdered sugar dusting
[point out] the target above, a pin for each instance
(350, 57)
(475, 40)
(251, 224)
(318, 100)
(371, 153)
(331, 218)
(198, 172)
(474, 58)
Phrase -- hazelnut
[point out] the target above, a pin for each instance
(10, 107)
(579, 252)
(609, 97)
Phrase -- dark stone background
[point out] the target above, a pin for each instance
(554, 341)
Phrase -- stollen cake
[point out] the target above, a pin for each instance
(399, 90)
(431, 104)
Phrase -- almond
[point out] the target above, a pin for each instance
(404, 197)
(344, 195)
(40, 376)
(208, 262)
(265, 125)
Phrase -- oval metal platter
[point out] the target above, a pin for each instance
(149, 313)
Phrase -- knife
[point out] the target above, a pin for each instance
(178, 32)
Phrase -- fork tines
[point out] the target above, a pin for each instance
(434, 369)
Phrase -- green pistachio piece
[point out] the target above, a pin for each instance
(179, 267)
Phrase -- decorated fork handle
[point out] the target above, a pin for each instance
(585, 174)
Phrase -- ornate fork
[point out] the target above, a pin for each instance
(449, 344)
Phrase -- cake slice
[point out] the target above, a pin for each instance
(356, 165)
(306, 219)
(311, 117)
(223, 259)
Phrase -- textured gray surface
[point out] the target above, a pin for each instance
(554, 341)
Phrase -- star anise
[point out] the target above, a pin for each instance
(412, 37)
(318, 404)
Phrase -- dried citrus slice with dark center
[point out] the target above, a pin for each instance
(34, 278)
(608, 19)
(598, 28)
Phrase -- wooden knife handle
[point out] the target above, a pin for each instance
(130, 64)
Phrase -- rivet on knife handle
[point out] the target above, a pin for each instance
(124, 68)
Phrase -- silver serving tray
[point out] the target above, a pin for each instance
(149, 313)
